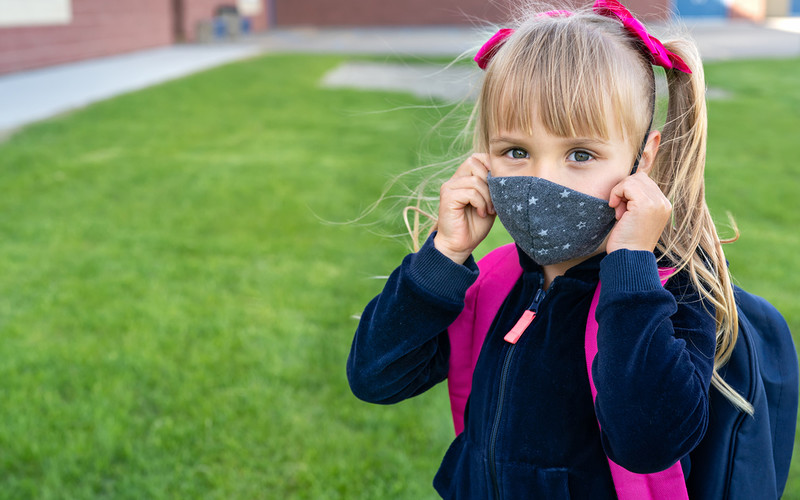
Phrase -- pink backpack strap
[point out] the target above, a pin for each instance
(665, 485)
(499, 271)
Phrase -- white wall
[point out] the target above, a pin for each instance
(35, 12)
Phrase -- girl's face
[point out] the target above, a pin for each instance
(590, 165)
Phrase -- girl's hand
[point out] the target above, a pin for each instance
(642, 212)
(466, 213)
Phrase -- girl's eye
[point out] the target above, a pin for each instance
(580, 156)
(517, 154)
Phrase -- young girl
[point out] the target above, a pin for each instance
(564, 154)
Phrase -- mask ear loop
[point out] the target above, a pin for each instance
(641, 151)
(647, 134)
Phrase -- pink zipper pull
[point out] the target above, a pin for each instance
(523, 323)
(527, 317)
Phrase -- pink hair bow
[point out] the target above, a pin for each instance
(659, 55)
(652, 47)
(488, 49)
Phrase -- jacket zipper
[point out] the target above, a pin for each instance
(512, 337)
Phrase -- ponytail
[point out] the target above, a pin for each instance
(691, 241)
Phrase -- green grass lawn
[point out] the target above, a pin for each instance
(175, 316)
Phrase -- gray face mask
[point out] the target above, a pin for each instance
(550, 222)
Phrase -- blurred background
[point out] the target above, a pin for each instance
(47, 32)
(188, 228)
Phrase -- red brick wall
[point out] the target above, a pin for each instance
(98, 28)
(106, 27)
(419, 12)
(649, 10)
(384, 12)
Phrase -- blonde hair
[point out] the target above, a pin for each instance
(576, 71)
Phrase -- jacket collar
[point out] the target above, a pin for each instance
(587, 271)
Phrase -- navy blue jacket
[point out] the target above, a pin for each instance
(530, 426)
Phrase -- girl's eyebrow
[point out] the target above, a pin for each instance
(503, 138)
(572, 141)
(585, 141)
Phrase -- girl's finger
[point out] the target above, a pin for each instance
(482, 186)
(477, 182)
(617, 195)
(459, 198)
(620, 209)
(481, 170)
(476, 165)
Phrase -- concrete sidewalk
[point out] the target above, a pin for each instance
(28, 96)
(34, 95)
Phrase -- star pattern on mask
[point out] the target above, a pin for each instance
(551, 235)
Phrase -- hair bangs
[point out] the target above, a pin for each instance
(579, 87)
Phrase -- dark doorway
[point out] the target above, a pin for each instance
(177, 21)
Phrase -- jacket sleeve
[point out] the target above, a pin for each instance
(400, 348)
(654, 364)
